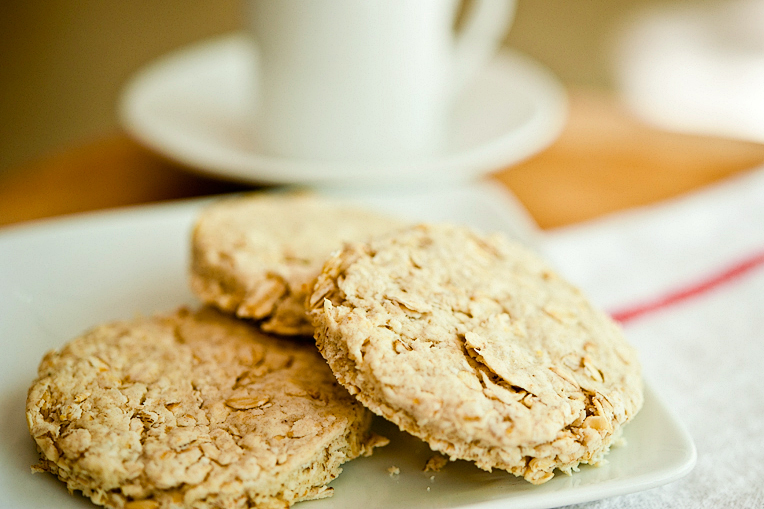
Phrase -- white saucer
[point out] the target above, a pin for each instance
(192, 106)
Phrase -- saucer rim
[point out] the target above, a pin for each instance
(549, 99)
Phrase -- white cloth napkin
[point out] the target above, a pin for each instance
(692, 271)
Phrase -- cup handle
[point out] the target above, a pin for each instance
(483, 31)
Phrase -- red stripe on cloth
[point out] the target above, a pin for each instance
(692, 290)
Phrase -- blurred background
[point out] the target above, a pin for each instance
(64, 62)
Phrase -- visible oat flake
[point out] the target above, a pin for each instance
(435, 463)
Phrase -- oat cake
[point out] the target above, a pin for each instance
(256, 255)
(193, 409)
(473, 344)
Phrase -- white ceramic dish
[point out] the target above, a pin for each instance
(59, 278)
(194, 106)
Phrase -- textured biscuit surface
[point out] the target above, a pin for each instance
(192, 410)
(473, 344)
(257, 255)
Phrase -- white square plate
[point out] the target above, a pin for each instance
(61, 277)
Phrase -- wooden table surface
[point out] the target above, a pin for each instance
(605, 160)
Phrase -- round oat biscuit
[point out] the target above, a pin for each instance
(256, 255)
(476, 346)
(192, 409)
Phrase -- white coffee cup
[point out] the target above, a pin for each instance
(366, 80)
